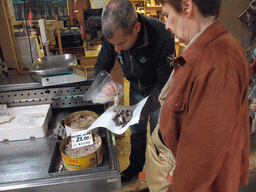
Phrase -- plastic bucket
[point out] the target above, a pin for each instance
(94, 159)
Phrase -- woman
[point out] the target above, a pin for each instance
(204, 120)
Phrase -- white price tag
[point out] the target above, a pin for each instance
(81, 139)
(60, 130)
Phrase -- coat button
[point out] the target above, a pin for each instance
(176, 105)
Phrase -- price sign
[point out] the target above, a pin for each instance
(81, 139)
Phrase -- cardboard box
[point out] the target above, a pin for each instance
(28, 122)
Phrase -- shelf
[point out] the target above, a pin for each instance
(156, 6)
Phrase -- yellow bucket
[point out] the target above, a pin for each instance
(68, 120)
(94, 159)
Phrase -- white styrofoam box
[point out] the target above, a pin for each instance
(28, 122)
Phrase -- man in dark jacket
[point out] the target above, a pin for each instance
(145, 51)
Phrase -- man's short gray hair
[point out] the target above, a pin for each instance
(118, 14)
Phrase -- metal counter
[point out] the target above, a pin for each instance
(32, 165)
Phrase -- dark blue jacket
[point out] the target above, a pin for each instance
(146, 64)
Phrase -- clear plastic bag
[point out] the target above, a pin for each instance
(97, 92)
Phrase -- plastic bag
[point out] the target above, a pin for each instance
(96, 92)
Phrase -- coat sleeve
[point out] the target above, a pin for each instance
(207, 132)
(106, 58)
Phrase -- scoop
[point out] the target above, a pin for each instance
(116, 102)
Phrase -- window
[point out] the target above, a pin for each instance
(27, 10)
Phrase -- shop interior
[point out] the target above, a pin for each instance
(34, 29)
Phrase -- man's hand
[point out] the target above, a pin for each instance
(110, 89)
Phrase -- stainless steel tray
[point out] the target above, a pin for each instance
(54, 64)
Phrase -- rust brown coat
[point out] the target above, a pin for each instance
(204, 120)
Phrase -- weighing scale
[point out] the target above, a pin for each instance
(59, 69)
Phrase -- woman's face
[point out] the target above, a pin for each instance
(175, 22)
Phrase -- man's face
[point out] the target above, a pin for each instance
(123, 42)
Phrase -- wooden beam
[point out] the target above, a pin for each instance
(6, 40)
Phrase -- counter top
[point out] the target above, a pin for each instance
(27, 165)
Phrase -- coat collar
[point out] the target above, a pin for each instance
(142, 39)
(143, 36)
(212, 32)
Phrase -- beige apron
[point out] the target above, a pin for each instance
(160, 164)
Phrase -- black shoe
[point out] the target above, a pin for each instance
(128, 174)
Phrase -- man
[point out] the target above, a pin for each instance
(204, 118)
(143, 47)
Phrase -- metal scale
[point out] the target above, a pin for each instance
(59, 69)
